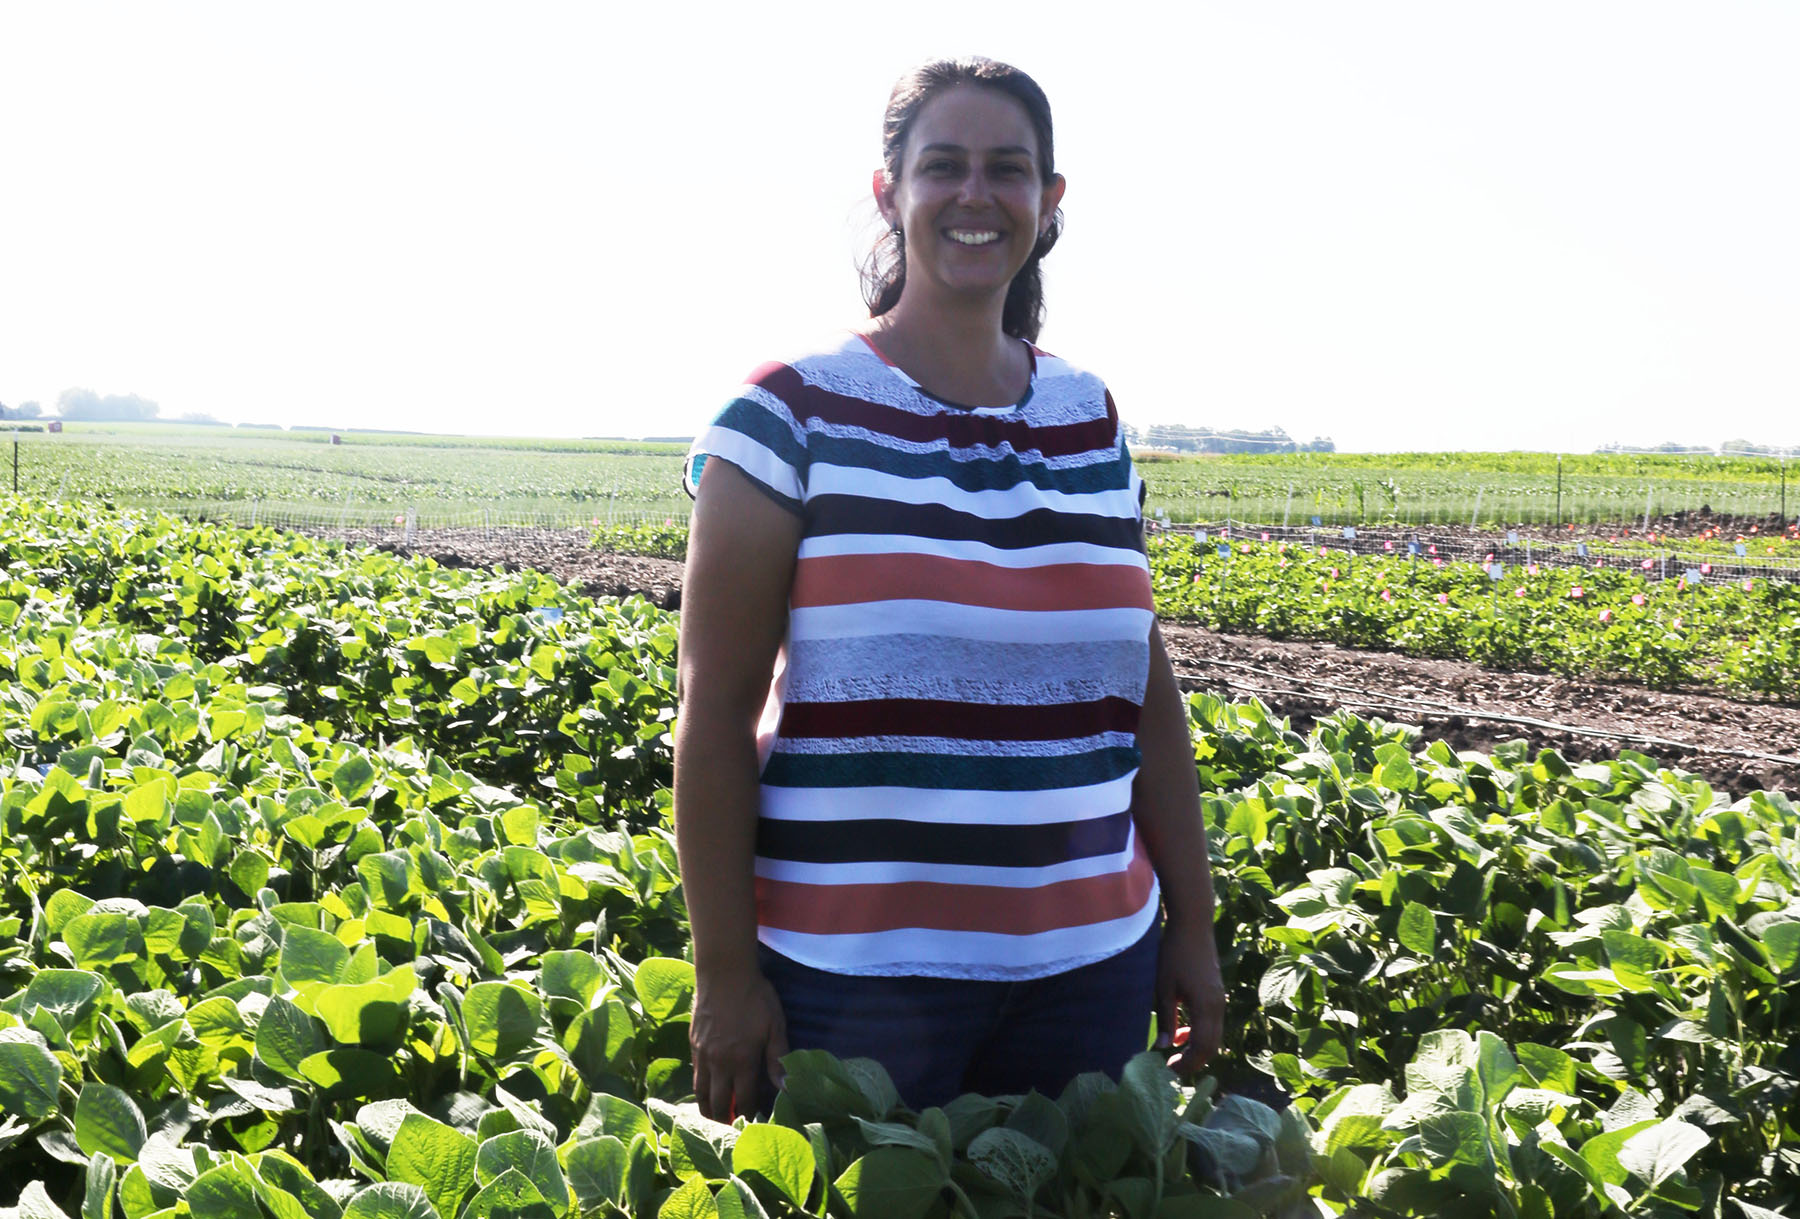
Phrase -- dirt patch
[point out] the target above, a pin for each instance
(1737, 745)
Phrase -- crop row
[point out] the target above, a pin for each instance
(1734, 634)
(337, 886)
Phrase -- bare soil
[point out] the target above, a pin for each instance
(1738, 745)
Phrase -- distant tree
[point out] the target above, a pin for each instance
(86, 404)
(274, 427)
(200, 417)
(27, 410)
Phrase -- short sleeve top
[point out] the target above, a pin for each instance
(947, 788)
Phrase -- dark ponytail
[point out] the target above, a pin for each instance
(884, 271)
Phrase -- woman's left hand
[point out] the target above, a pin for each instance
(1187, 974)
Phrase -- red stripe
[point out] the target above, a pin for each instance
(957, 720)
(867, 909)
(852, 579)
(960, 429)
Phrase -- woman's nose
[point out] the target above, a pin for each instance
(975, 187)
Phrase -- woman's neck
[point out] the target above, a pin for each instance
(958, 356)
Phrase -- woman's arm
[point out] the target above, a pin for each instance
(740, 564)
(1165, 803)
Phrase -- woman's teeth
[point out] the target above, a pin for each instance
(973, 236)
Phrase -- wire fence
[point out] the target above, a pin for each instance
(1507, 550)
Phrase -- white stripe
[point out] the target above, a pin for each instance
(753, 458)
(949, 806)
(979, 452)
(883, 872)
(959, 621)
(980, 552)
(827, 479)
(923, 952)
(955, 747)
(964, 671)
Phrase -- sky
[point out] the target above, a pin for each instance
(1539, 225)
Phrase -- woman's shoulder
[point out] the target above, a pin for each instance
(840, 370)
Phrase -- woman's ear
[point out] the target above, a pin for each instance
(884, 197)
(1053, 193)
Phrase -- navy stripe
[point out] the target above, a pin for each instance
(834, 514)
(962, 720)
(948, 772)
(1001, 473)
(886, 839)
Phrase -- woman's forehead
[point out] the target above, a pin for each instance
(974, 119)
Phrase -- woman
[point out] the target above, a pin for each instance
(973, 787)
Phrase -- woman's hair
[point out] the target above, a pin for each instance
(884, 271)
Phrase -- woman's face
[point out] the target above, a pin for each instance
(971, 199)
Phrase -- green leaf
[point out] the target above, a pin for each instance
(30, 1076)
(1782, 940)
(1655, 1155)
(438, 1158)
(571, 975)
(892, 1183)
(1417, 931)
(777, 1155)
(511, 1195)
(502, 1019)
(97, 1194)
(108, 1122)
(1017, 1163)
(372, 1014)
(1601, 1152)
(529, 1153)
(99, 940)
(353, 778)
(225, 1192)
(286, 1036)
(351, 1072)
(664, 986)
(596, 1171)
(1550, 1067)
(1148, 1094)
(391, 1200)
(692, 1201)
(311, 955)
(35, 1203)
(1633, 959)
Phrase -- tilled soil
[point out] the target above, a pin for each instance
(1738, 745)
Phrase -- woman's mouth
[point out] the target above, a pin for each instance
(972, 236)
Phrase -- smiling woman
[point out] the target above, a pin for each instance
(934, 794)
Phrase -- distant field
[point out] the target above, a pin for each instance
(1464, 488)
(300, 474)
(373, 477)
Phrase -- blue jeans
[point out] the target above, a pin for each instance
(941, 1037)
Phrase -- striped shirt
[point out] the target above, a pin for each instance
(948, 762)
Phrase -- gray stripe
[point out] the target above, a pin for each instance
(965, 670)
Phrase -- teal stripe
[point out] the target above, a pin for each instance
(765, 427)
(979, 474)
(938, 772)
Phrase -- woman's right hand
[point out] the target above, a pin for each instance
(738, 1035)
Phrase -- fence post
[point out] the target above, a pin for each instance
(253, 506)
(1783, 479)
(16, 467)
(1649, 490)
(1287, 508)
(1476, 514)
(1559, 490)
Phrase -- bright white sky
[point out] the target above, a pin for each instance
(1403, 225)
